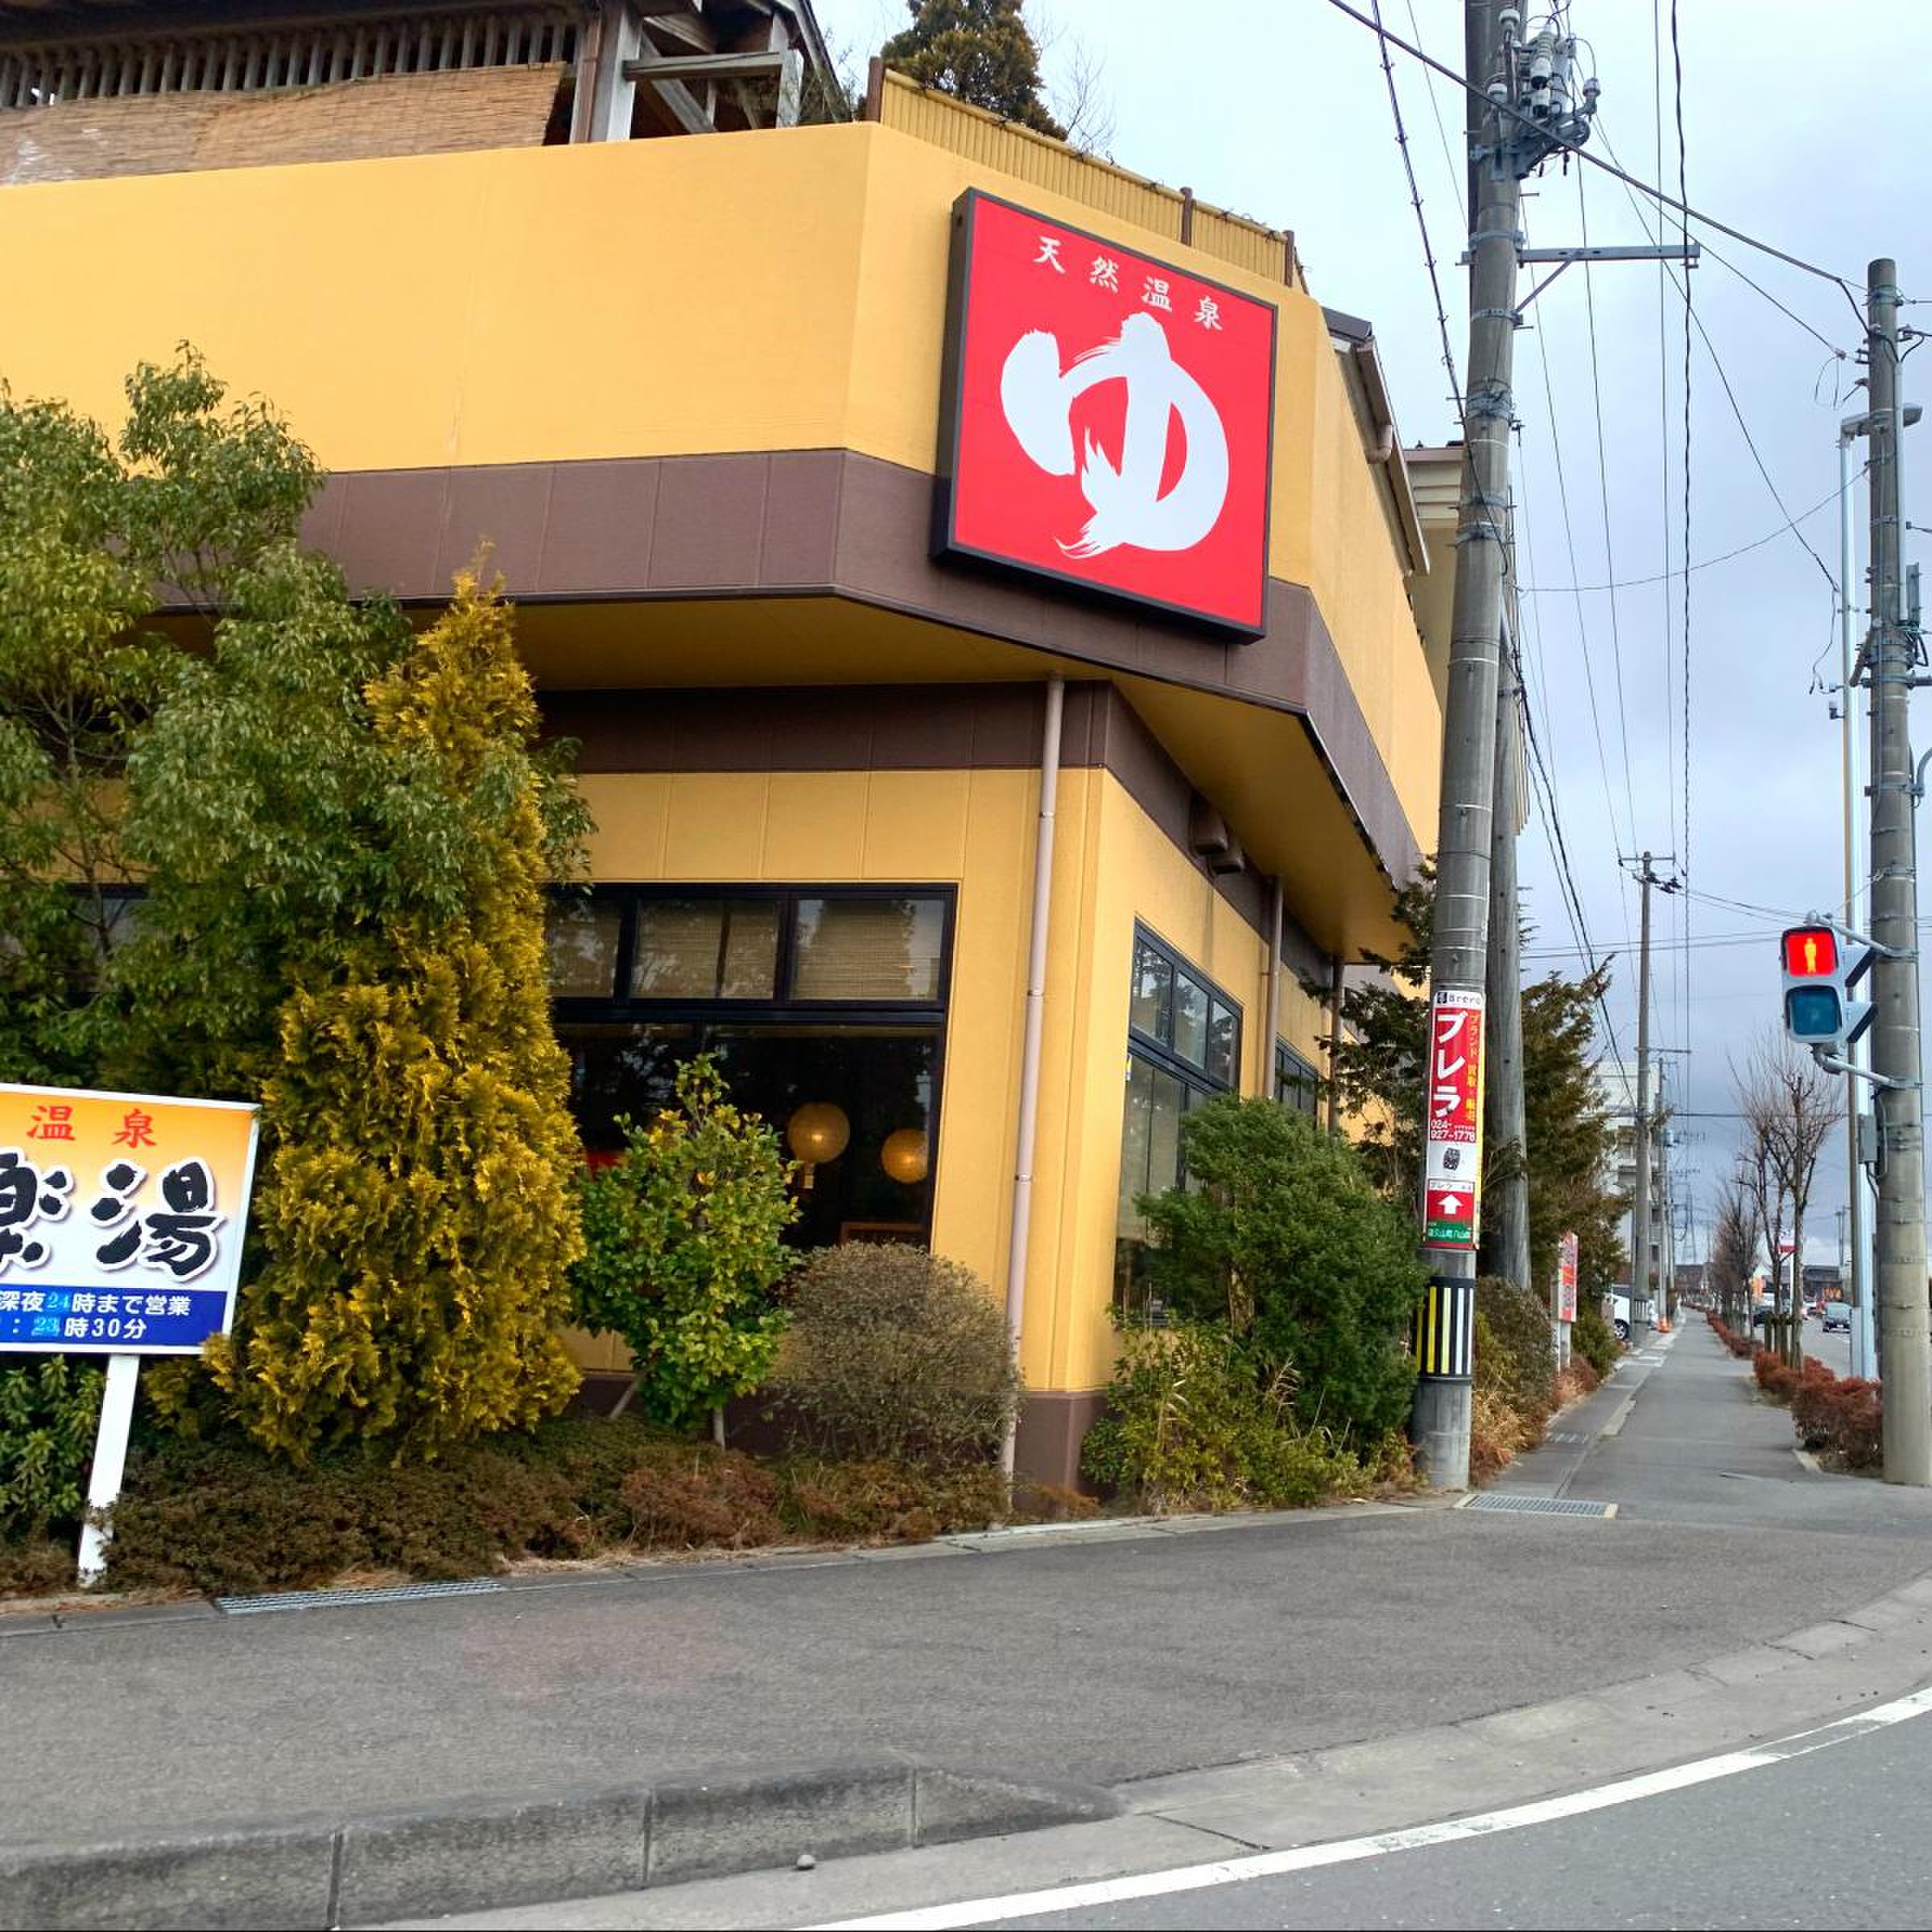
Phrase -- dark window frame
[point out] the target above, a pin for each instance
(935, 1015)
(1292, 1068)
(1151, 1046)
(624, 1005)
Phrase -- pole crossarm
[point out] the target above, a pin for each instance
(1690, 254)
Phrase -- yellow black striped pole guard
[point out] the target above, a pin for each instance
(1445, 1330)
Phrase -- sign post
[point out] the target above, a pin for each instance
(1564, 1299)
(122, 1219)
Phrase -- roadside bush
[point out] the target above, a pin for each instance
(1193, 1421)
(1498, 1434)
(1739, 1345)
(225, 1519)
(1856, 1440)
(49, 1408)
(1513, 1353)
(1591, 1337)
(1280, 1237)
(1777, 1377)
(895, 1355)
(682, 1255)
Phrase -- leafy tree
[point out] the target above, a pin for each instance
(416, 1207)
(193, 493)
(1282, 1235)
(979, 50)
(264, 818)
(1568, 1133)
(682, 1251)
(49, 1410)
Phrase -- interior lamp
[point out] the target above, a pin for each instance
(904, 1156)
(816, 1132)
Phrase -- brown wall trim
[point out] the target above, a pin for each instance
(893, 728)
(826, 523)
(1046, 1445)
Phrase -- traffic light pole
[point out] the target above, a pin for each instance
(1901, 1279)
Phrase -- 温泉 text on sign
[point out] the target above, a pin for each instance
(122, 1217)
(1107, 420)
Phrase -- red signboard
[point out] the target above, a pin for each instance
(1565, 1278)
(1107, 419)
(1452, 1140)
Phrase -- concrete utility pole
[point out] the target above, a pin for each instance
(1506, 1227)
(1640, 1200)
(1890, 664)
(1459, 951)
(1856, 1284)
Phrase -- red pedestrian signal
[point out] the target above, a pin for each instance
(1819, 1011)
(1810, 953)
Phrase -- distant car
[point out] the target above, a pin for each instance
(1837, 1314)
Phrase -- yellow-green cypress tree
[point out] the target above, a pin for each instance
(416, 1209)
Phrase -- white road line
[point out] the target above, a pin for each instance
(1308, 1858)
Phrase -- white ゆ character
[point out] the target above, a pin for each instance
(1128, 508)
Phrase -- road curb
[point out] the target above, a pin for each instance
(470, 1854)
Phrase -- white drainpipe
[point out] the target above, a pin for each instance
(1029, 1040)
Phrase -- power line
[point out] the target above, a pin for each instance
(1584, 155)
(1804, 516)
(1603, 483)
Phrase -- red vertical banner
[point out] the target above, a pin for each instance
(1452, 1134)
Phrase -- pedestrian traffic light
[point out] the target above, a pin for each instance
(1819, 973)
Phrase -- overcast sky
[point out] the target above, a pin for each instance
(1802, 127)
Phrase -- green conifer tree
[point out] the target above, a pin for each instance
(416, 1209)
(979, 50)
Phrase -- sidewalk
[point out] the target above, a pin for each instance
(1103, 1657)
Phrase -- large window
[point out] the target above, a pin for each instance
(1297, 1083)
(1183, 1046)
(824, 1006)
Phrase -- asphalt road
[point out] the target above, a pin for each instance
(1833, 1838)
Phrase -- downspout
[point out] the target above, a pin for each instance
(1272, 1007)
(1336, 987)
(1030, 1042)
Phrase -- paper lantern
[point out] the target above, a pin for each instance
(817, 1133)
(904, 1156)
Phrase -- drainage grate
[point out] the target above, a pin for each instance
(326, 1599)
(1542, 1506)
(1565, 1435)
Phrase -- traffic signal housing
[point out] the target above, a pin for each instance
(1820, 972)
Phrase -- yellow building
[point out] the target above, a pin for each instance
(690, 389)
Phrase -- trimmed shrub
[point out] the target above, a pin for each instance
(226, 1519)
(1513, 1355)
(1280, 1237)
(1195, 1421)
(1591, 1337)
(49, 1410)
(895, 1355)
(682, 1256)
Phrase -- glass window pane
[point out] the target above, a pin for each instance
(748, 955)
(1224, 1043)
(1190, 1020)
(582, 937)
(1136, 1139)
(1169, 1102)
(1151, 1009)
(869, 949)
(705, 949)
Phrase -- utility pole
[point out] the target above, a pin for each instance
(1458, 963)
(1524, 105)
(1506, 1231)
(1890, 664)
(1640, 1201)
(1855, 1283)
